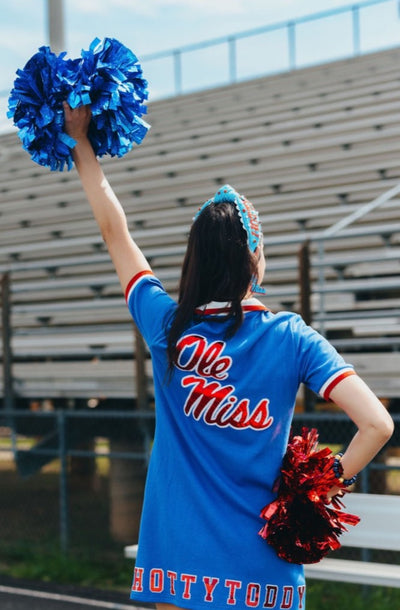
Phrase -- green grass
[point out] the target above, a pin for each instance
(29, 548)
(333, 595)
(115, 573)
(105, 571)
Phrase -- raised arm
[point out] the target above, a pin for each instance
(128, 259)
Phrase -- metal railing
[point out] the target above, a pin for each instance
(226, 59)
(63, 448)
(336, 231)
(63, 423)
(291, 46)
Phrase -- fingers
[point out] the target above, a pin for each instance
(79, 110)
(77, 120)
(67, 111)
(333, 493)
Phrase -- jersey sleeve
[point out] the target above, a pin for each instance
(150, 306)
(321, 367)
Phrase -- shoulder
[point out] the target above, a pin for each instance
(286, 320)
(150, 305)
(290, 327)
(143, 278)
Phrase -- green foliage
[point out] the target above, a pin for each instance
(333, 595)
(111, 571)
(105, 571)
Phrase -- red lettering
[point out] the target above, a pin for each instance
(137, 579)
(195, 354)
(210, 584)
(253, 595)
(211, 365)
(219, 368)
(220, 416)
(188, 579)
(212, 401)
(156, 580)
(301, 590)
(287, 597)
(239, 416)
(204, 395)
(232, 585)
(172, 580)
(271, 592)
(182, 346)
(260, 418)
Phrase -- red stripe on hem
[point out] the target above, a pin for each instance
(134, 280)
(335, 381)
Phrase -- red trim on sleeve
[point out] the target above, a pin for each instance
(335, 381)
(134, 280)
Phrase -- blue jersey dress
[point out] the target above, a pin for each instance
(222, 426)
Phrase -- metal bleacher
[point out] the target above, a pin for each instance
(307, 147)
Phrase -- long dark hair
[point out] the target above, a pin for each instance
(218, 266)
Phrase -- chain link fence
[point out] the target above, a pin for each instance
(74, 480)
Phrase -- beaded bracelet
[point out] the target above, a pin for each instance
(338, 470)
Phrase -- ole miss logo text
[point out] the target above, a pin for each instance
(209, 398)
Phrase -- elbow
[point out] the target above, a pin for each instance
(106, 234)
(383, 429)
(389, 429)
(113, 230)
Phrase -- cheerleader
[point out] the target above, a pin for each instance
(226, 374)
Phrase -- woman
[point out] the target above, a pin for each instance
(226, 375)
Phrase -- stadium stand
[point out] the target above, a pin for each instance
(307, 147)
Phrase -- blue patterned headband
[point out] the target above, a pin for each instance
(248, 217)
(247, 214)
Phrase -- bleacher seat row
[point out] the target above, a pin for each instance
(307, 147)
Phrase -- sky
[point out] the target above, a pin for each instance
(148, 26)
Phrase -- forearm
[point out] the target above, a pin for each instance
(106, 207)
(375, 426)
(361, 450)
(108, 212)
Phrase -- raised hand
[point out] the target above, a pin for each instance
(77, 121)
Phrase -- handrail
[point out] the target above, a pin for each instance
(333, 231)
(360, 213)
(231, 40)
(175, 54)
(350, 8)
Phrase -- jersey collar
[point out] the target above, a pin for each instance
(220, 308)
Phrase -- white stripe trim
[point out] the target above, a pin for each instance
(136, 282)
(67, 598)
(332, 378)
(225, 304)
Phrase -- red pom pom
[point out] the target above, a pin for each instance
(301, 526)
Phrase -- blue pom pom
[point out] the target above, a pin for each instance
(117, 91)
(35, 105)
(108, 77)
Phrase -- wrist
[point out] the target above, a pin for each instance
(81, 139)
(83, 150)
(339, 472)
